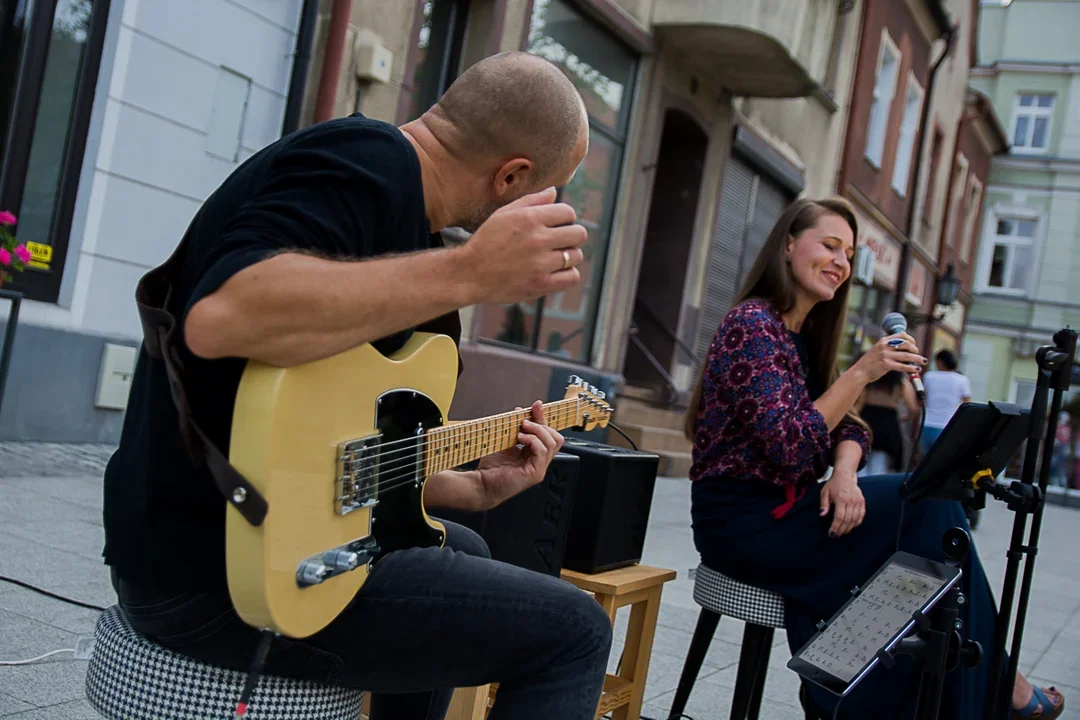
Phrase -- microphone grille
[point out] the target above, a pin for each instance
(893, 323)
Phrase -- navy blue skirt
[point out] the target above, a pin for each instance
(736, 534)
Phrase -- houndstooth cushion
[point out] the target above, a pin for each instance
(131, 678)
(721, 594)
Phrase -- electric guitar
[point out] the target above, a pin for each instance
(341, 448)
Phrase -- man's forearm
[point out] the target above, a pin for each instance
(294, 308)
(458, 490)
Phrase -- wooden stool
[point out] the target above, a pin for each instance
(638, 586)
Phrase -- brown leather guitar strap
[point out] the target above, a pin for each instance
(152, 295)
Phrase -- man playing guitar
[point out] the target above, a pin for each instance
(323, 241)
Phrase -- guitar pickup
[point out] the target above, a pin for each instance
(356, 486)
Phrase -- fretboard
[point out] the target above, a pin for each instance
(453, 445)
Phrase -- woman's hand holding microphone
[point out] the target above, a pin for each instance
(893, 352)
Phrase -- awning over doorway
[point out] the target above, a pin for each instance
(754, 49)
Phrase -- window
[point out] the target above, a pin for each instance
(438, 53)
(884, 87)
(603, 70)
(1012, 254)
(909, 126)
(971, 218)
(50, 51)
(1031, 123)
(957, 198)
(231, 95)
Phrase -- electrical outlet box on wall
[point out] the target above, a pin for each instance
(114, 376)
(373, 59)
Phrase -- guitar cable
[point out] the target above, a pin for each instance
(257, 665)
(28, 586)
(617, 429)
(908, 469)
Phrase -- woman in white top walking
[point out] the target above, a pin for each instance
(946, 390)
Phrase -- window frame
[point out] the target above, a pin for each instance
(36, 284)
(1034, 112)
(449, 65)
(957, 193)
(912, 83)
(971, 216)
(887, 44)
(620, 138)
(990, 241)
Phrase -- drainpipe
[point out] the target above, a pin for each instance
(331, 69)
(905, 253)
(305, 38)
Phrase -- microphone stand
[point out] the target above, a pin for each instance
(1055, 370)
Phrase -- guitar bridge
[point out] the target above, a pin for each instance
(358, 463)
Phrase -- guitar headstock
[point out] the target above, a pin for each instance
(593, 410)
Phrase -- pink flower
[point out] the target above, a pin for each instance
(5, 257)
(22, 253)
(6, 218)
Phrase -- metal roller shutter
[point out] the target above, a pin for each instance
(750, 204)
(726, 255)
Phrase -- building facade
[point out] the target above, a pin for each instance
(706, 119)
(695, 148)
(1028, 268)
(119, 117)
(902, 122)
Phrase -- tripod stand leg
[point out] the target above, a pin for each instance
(1001, 683)
(1033, 539)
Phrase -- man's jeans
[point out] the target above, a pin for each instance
(426, 621)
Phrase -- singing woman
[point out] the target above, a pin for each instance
(770, 415)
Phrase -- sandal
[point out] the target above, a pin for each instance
(1045, 704)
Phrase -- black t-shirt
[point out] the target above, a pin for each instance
(347, 188)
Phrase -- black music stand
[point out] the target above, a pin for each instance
(973, 449)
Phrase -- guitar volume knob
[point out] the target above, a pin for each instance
(311, 573)
(341, 560)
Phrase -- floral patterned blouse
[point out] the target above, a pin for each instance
(757, 419)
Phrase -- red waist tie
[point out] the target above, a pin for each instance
(792, 497)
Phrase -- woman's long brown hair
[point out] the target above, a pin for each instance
(771, 279)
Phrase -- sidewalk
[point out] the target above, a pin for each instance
(51, 536)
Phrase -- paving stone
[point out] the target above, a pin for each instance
(10, 705)
(20, 459)
(73, 710)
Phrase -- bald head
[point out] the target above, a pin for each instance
(514, 105)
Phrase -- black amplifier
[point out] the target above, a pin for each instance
(611, 506)
(530, 529)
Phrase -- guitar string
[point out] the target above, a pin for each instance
(383, 485)
(447, 430)
(448, 434)
(461, 433)
(408, 477)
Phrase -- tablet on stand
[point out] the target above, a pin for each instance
(891, 606)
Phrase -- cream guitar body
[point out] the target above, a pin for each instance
(341, 448)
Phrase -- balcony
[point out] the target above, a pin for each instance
(767, 48)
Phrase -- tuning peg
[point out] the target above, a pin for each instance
(574, 380)
(601, 394)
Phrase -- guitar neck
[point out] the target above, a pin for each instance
(453, 445)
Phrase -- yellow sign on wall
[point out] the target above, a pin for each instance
(40, 255)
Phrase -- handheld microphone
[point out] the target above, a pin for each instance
(894, 323)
